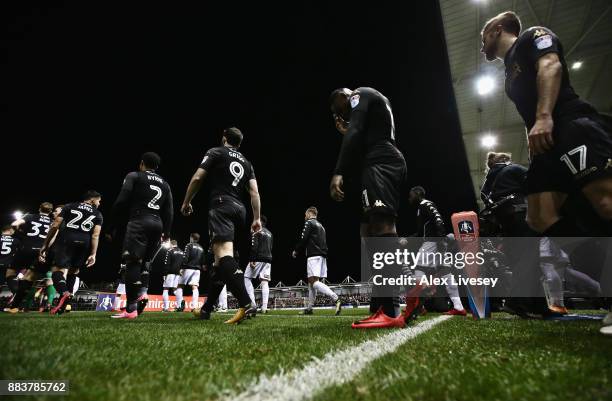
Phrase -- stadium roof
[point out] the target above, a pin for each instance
(585, 29)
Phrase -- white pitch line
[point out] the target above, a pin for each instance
(333, 369)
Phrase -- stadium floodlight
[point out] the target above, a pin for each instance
(18, 214)
(485, 85)
(577, 65)
(488, 141)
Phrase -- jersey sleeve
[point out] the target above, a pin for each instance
(301, 245)
(434, 216)
(210, 158)
(353, 139)
(252, 176)
(99, 219)
(539, 42)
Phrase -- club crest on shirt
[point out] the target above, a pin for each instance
(354, 101)
(543, 42)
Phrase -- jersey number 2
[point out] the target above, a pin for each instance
(158, 193)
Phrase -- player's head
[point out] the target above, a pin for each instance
(498, 157)
(173, 243)
(57, 210)
(194, 237)
(311, 213)
(232, 136)
(506, 23)
(93, 198)
(149, 161)
(341, 108)
(264, 220)
(416, 195)
(45, 208)
(8, 230)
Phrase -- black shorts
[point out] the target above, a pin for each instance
(72, 253)
(381, 184)
(225, 217)
(27, 258)
(143, 236)
(582, 153)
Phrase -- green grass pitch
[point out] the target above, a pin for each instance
(175, 357)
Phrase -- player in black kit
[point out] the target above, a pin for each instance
(365, 119)
(230, 174)
(32, 229)
(79, 225)
(570, 143)
(9, 245)
(146, 200)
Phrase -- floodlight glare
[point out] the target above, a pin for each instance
(488, 141)
(485, 85)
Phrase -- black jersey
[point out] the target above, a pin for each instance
(261, 246)
(504, 179)
(429, 220)
(194, 256)
(521, 73)
(9, 245)
(313, 241)
(229, 172)
(145, 193)
(79, 220)
(371, 132)
(35, 229)
(174, 260)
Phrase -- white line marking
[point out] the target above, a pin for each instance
(333, 369)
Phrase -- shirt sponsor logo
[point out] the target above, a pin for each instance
(379, 203)
(539, 32)
(543, 42)
(354, 101)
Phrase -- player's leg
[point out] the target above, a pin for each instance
(178, 294)
(167, 285)
(58, 275)
(264, 278)
(321, 287)
(51, 292)
(312, 294)
(195, 296)
(11, 280)
(223, 297)
(233, 277)
(250, 273)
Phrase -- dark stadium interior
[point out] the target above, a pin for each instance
(86, 91)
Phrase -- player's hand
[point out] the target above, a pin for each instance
(335, 188)
(42, 256)
(294, 254)
(256, 226)
(186, 209)
(91, 260)
(541, 136)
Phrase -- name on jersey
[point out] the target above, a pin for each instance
(155, 178)
(85, 206)
(237, 156)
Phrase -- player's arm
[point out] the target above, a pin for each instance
(192, 189)
(167, 214)
(350, 149)
(434, 215)
(95, 239)
(301, 245)
(17, 223)
(53, 230)
(122, 202)
(544, 54)
(209, 160)
(255, 205)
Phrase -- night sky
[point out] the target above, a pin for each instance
(86, 90)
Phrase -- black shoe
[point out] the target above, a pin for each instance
(141, 305)
(204, 315)
(182, 305)
(307, 311)
(251, 312)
